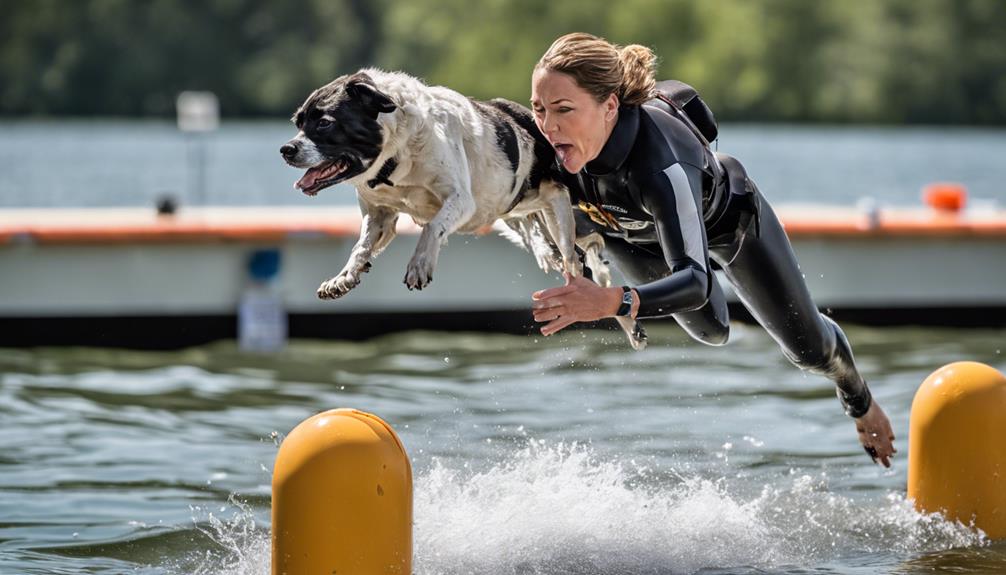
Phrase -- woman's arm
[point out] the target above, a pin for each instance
(673, 196)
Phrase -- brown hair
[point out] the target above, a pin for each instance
(603, 68)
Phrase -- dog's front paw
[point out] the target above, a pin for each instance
(341, 284)
(419, 274)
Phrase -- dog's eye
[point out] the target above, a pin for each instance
(324, 124)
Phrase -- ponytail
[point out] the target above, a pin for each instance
(638, 74)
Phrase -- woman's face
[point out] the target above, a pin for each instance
(575, 123)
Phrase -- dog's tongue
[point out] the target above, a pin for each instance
(309, 178)
(323, 172)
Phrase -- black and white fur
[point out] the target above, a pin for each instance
(451, 163)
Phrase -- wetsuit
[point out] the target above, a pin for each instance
(667, 205)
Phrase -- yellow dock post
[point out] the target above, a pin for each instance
(342, 498)
(957, 446)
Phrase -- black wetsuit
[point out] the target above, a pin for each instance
(666, 205)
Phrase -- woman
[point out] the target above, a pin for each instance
(667, 205)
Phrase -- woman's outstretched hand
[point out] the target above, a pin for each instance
(579, 300)
(876, 435)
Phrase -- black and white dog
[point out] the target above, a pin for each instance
(451, 163)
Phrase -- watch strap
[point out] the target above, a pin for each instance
(626, 306)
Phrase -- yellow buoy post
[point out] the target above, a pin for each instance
(342, 498)
(957, 446)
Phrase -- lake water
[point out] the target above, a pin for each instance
(563, 455)
(102, 163)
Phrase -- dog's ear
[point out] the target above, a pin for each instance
(370, 96)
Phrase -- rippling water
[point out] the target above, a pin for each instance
(563, 455)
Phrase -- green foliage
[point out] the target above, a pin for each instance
(898, 61)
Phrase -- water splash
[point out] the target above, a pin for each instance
(243, 545)
(558, 509)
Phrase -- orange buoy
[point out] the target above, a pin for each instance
(957, 446)
(342, 498)
(945, 196)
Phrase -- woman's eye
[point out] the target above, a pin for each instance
(324, 124)
(564, 109)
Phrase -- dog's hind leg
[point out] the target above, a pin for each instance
(559, 223)
(376, 232)
(592, 246)
(529, 233)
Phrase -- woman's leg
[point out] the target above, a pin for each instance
(766, 277)
(709, 324)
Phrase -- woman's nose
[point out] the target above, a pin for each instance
(548, 123)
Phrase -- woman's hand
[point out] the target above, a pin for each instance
(876, 435)
(579, 300)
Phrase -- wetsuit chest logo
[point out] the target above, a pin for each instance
(599, 215)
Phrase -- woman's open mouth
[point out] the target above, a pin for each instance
(562, 150)
(321, 177)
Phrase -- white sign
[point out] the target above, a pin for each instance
(198, 111)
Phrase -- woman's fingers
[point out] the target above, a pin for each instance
(878, 444)
(876, 435)
(573, 283)
(557, 325)
(881, 455)
(548, 313)
(553, 292)
(579, 300)
(546, 303)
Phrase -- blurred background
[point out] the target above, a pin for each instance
(824, 101)
(888, 61)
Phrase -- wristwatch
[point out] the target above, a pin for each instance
(626, 306)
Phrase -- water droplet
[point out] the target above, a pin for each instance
(447, 359)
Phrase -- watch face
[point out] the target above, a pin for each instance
(627, 297)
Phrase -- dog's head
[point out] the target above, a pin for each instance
(339, 136)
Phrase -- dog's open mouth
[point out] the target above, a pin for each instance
(321, 177)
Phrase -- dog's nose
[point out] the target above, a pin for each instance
(288, 150)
